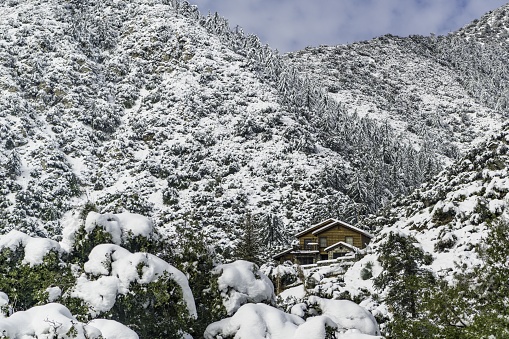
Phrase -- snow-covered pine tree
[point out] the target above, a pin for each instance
(249, 247)
(272, 231)
(403, 279)
(13, 164)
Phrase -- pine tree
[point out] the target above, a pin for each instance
(493, 284)
(402, 280)
(272, 231)
(250, 246)
(196, 260)
(13, 165)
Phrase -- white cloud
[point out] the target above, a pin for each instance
(293, 24)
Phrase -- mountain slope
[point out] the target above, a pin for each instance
(450, 218)
(449, 214)
(120, 108)
(149, 107)
(491, 27)
(439, 92)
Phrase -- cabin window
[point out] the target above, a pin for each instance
(323, 242)
(349, 240)
(308, 244)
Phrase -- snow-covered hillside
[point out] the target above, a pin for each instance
(148, 107)
(493, 27)
(443, 93)
(450, 220)
(449, 215)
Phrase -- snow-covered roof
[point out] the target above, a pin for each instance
(341, 243)
(315, 226)
(280, 254)
(344, 224)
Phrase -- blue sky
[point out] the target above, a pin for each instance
(289, 25)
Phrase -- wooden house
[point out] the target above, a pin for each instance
(327, 240)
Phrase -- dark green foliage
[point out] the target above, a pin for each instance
(473, 306)
(170, 196)
(403, 279)
(441, 217)
(273, 235)
(196, 260)
(85, 241)
(25, 285)
(155, 310)
(445, 242)
(133, 202)
(250, 246)
(367, 271)
(88, 207)
(161, 299)
(13, 165)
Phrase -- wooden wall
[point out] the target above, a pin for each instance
(334, 235)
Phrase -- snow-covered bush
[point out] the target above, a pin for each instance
(134, 288)
(241, 282)
(130, 230)
(111, 329)
(56, 321)
(260, 321)
(281, 275)
(346, 314)
(28, 267)
(108, 281)
(255, 321)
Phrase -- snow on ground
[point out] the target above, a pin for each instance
(314, 327)
(115, 269)
(241, 282)
(297, 292)
(256, 321)
(54, 320)
(352, 277)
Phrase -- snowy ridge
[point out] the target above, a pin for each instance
(493, 27)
